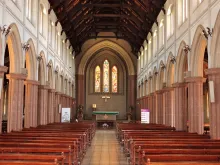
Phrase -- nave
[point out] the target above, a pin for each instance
(105, 150)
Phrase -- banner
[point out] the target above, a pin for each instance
(65, 115)
(145, 116)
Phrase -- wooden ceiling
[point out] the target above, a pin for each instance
(130, 20)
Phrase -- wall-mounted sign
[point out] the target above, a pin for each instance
(145, 116)
(65, 115)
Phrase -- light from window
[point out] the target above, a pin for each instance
(106, 76)
(50, 32)
(161, 34)
(155, 42)
(29, 9)
(170, 21)
(41, 20)
(149, 51)
(114, 79)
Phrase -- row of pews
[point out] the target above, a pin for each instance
(52, 144)
(147, 144)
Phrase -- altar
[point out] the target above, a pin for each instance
(105, 117)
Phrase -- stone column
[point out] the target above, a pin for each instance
(159, 106)
(3, 69)
(132, 90)
(58, 101)
(214, 75)
(195, 104)
(43, 105)
(168, 106)
(80, 89)
(51, 112)
(15, 101)
(180, 106)
(31, 97)
(150, 105)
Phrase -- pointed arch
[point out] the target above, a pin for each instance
(170, 70)
(197, 53)
(162, 72)
(215, 48)
(110, 45)
(154, 81)
(31, 62)
(15, 51)
(42, 69)
(181, 63)
(51, 74)
(57, 79)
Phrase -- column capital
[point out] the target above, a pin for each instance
(3, 69)
(52, 90)
(195, 79)
(58, 93)
(44, 87)
(212, 71)
(167, 89)
(159, 91)
(33, 82)
(176, 85)
(16, 76)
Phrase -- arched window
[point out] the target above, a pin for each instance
(97, 79)
(149, 51)
(114, 79)
(41, 19)
(106, 76)
(29, 9)
(170, 21)
(161, 34)
(155, 43)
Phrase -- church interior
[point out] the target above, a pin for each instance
(109, 82)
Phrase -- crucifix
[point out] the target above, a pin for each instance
(105, 97)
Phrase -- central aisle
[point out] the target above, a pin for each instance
(105, 150)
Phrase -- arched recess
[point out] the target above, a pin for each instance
(31, 87)
(15, 50)
(51, 74)
(215, 48)
(31, 63)
(42, 69)
(160, 79)
(181, 89)
(199, 45)
(154, 81)
(11, 57)
(198, 83)
(181, 64)
(109, 45)
(170, 70)
(62, 82)
(57, 79)
(150, 83)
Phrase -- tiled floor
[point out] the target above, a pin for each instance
(105, 150)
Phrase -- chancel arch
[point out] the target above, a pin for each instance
(106, 76)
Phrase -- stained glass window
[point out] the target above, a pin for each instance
(114, 79)
(106, 76)
(97, 79)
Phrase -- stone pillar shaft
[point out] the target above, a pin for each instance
(15, 101)
(195, 104)
(180, 106)
(51, 98)
(168, 106)
(3, 69)
(159, 107)
(58, 101)
(214, 75)
(43, 105)
(31, 97)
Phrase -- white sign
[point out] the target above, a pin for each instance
(65, 115)
(145, 116)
